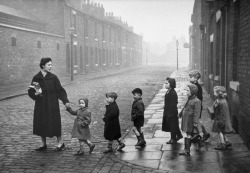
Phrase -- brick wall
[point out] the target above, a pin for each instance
(21, 62)
(229, 53)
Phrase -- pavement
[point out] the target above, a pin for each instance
(161, 156)
(156, 156)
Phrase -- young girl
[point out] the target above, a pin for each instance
(81, 125)
(222, 123)
(170, 122)
(190, 117)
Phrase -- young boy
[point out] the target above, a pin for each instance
(137, 116)
(112, 130)
(194, 76)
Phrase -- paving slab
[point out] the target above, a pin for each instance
(140, 155)
(155, 121)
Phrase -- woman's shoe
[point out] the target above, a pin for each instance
(171, 141)
(41, 148)
(79, 153)
(60, 148)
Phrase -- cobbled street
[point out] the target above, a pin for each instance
(17, 142)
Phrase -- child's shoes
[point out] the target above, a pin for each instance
(79, 153)
(120, 147)
(91, 148)
(109, 150)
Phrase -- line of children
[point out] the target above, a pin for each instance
(112, 130)
(190, 115)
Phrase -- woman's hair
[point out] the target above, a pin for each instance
(44, 61)
(221, 91)
(171, 82)
(195, 73)
(112, 95)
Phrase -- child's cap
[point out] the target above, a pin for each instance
(112, 95)
(86, 101)
(193, 89)
(137, 90)
(221, 91)
(195, 73)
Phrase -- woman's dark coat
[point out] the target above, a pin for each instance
(47, 118)
(137, 113)
(112, 130)
(170, 114)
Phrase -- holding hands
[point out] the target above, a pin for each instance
(67, 105)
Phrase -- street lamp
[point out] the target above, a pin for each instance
(71, 31)
(177, 44)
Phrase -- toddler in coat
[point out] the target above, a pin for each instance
(112, 129)
(190, 117)
(81, 125)
(222, 122)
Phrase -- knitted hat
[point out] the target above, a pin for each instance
(193, 89)
(86, 101)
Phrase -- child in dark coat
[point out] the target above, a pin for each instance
(194, 76)
(222, 122)
(137, 116)
(112, 130)
(81, 125)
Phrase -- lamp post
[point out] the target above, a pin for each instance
(177, 44)
(71, 31)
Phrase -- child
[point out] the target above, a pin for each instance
(190, 116)
(81, 125)
(112, 130)
(194, 76)
(137, 116)
(222, 123)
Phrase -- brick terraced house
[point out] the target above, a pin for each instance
(220, 49)
(32, 29)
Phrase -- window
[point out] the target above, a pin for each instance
(57, 46)
(39, 44)
(13, 41)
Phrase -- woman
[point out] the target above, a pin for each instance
(170, 115)
(47, 91)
